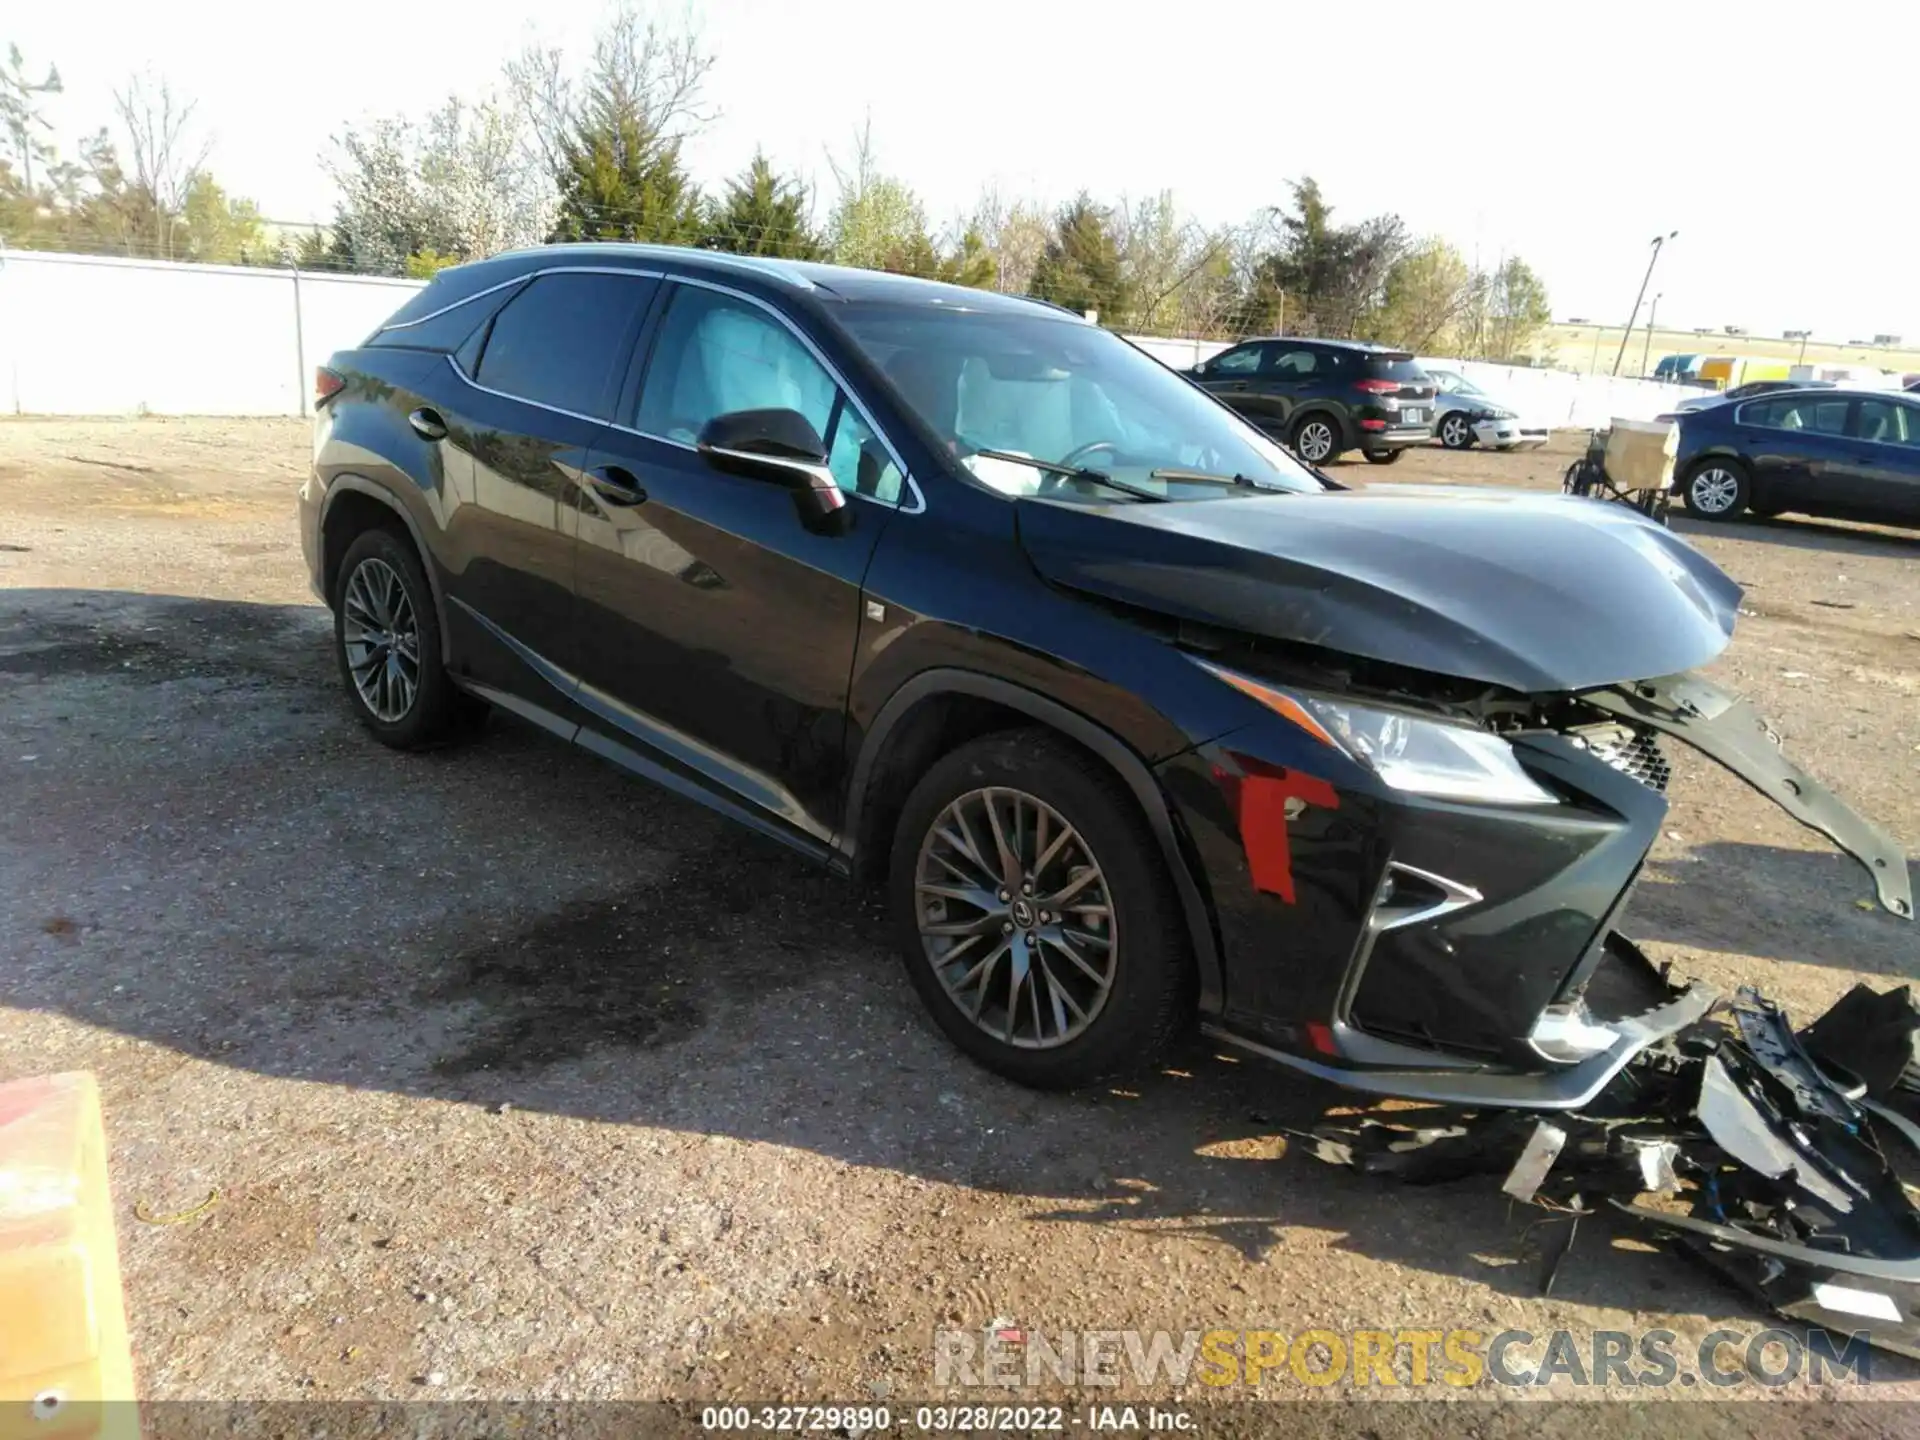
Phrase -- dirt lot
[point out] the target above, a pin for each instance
(514, 1078)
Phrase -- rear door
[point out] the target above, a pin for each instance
(1293, 374)
(521, 406)
(1792, 443)
(717, 630)
(1880, 479)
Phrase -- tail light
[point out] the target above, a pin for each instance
(1378, 387)
(326, 385)
(1373, 424)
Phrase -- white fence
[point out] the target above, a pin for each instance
(82, 335)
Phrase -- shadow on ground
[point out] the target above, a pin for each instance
(208, 855)
(1808, 907)
(1803, 532)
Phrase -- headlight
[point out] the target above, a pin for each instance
(1409, 752)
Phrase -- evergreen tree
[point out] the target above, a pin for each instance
(972, 262)
(1081, 267)
(621, 178)
(763, 214)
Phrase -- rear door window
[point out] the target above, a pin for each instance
(563, 341)
(1296, 364)
(1802, 413)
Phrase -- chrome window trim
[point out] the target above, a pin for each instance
(912, 502)
(521, 279)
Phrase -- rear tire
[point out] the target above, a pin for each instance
(1716, 488)
(1315, 438)
(1455, 432)
(1107, 979)
(386, 640)
(1383, 457)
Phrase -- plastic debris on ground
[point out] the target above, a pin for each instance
(1764, 1153)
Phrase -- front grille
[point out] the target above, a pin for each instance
(1633, 752)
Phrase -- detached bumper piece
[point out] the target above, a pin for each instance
(1751, 1148)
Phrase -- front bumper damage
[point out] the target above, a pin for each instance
(1727, 729)
(1749, 1147)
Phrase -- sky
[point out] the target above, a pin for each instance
(1778, 143)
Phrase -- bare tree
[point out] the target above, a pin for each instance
(1016, 233)
(20, 113)
(638, 63)
(163, 157)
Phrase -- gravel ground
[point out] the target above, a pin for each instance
(515, 1078)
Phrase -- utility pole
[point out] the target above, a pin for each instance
(1658, 241)
(1646, 347)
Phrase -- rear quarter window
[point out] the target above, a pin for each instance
(447, 330)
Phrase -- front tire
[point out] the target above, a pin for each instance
(1717, 488)
(1035, 915)
(1455, 432)
(386, 638)
(1316, 439)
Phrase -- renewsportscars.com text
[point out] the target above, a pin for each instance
(1463, 1359)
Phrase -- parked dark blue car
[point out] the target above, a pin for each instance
(1850, 454)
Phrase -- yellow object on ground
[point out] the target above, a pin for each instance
(66, 1369)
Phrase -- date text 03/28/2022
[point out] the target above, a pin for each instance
(943, 1419)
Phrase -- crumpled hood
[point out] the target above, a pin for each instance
(1532, 592)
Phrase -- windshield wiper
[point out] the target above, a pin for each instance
(1201, 477)
(1073, 472)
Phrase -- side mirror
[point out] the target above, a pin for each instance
(782, 448)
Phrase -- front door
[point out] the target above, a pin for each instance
(1231, 375)
(717, 631)
(1879, 479)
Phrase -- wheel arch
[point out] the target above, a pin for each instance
(918, 723)
(355, 504)
(1343, 432)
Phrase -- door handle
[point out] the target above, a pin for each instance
(1236, 385)
(616, 485)
(427, 424)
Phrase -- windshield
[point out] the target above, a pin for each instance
(1069, 394)
(1454, 384)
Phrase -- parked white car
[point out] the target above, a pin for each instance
(1465, 416)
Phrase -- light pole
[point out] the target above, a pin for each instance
(1646, 346)
(1658, 241)
(1801, 336)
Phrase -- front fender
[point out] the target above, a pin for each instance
(1727, 729)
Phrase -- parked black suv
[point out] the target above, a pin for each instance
(1135, 716)
(1325, 397)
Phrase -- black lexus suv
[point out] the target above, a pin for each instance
(1136, 718)
(1325, 397)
